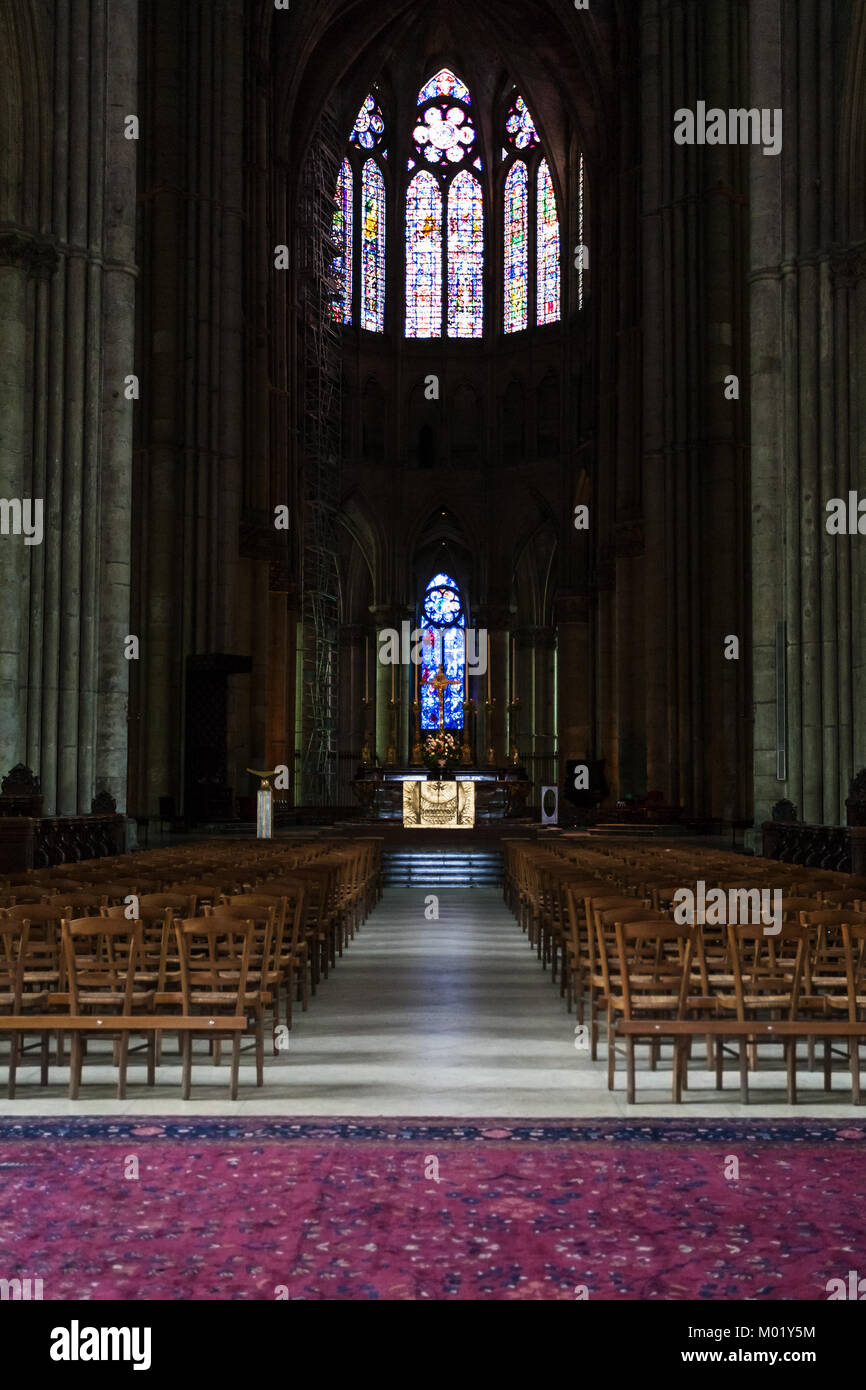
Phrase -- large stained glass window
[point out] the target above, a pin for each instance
(342, 306)
(465, 258)
(444, 645)
(547, 249)
(516, 248)
(372, 248)
(444, 216)
(423, 257)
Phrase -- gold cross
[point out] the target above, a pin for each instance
(440, 684)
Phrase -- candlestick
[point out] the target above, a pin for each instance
(491, 757)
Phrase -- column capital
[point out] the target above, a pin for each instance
(495, 617)
(385, 614)
(535, 638)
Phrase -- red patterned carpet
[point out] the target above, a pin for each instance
(389, 1209)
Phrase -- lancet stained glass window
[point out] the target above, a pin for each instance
(443, 644)
(465, 258)
(547, 223)
(342, 307)
(516, 248)
(372, 248)
(423, 257)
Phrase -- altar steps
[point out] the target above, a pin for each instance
(441, 868)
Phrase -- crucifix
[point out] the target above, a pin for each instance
(440, 684)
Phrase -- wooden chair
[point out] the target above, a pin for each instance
(293, 949)
(16, 996)
(854, 1001)
(214, 973)
(653, 982)
(102, 960)
(767, 975)
(70, 904)
(266, 949)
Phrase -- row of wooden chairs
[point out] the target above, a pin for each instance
(230, 932)
(596, 913)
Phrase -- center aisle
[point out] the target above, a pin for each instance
(451, 1017)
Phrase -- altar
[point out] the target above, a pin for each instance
(492, 793)
(453, 795)
(446, 805)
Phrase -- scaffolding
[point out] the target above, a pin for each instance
(321, 440)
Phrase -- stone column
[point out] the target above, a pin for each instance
(384, 617)
(495, 618)
(631, 672)
(351, 721)
(14, 480)
(573, 678)
(537, 682)
(119, 289)
(768, 431)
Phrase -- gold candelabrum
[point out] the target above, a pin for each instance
(514, 708)
(391, 755)
(366, 751)
(490, 706)
(417, 753)
(466, 755)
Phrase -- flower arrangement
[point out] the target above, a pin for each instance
(440, 751)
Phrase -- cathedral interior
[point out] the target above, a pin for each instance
(692, 381)
(431, 438)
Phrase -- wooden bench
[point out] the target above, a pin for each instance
(749, 1030)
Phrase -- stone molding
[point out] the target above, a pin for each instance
(38, 256)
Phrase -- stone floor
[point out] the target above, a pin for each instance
(450, 1017)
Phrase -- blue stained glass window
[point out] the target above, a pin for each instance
(465, 258)
(372, 248)
(516, 248)
(443, 645)
(342, 307)
(547, 248)
(444, 84)
(423, 257)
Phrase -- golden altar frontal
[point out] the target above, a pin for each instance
(445, 805)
